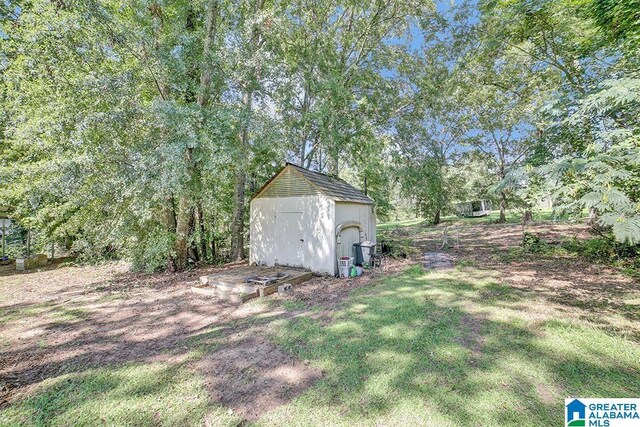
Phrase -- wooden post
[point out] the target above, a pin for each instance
(445, 239)
(28, 242)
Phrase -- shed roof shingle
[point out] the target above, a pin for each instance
(335, 188)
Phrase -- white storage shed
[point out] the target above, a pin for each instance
(302, 218)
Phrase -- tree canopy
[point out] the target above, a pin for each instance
(141, 129)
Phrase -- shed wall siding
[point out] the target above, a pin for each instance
(294, 231)
(361, 213)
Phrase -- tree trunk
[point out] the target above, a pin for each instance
(303, 152)
(202, 230)
(185, 214)
(4, 242)
(194, 250)
(436, 218)
(204, 94)
(303, 112)
(314, 148)
(334, 166)
(168, 210)
(503, 207)
(592, 219)
(237, 223)
(181, 246)
(169, 215)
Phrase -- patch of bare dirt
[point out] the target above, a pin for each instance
(545, 394)
(75, 318)
(471, 336)
(70, 319)
(597, 293)
(329, 292)
(438, 261)
(568, 285)
(254, 376)
(474, 238)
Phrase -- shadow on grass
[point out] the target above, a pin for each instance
(129, 395)
(423, 348)
(443, 348)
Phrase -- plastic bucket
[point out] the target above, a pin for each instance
(344, 271)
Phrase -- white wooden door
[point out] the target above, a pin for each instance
(290, 238)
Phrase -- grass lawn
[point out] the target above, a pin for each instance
(131, 395)
(450, 349)
(491, 342)
(511, 217)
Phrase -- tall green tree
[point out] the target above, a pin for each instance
(592, 121)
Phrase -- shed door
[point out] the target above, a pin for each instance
(348, 237)
(290, 238)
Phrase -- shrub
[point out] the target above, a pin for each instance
(606, 251)
(151, 254)
(533, 243)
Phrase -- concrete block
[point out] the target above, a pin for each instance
(35, 261)
(40, 260)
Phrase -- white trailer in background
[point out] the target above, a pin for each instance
(474, 208)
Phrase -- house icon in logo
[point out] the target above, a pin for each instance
(576, 413)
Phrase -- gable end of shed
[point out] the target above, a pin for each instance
(288, 183)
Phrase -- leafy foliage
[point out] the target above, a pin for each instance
(606, 251)
(134, 129)
(140, 130)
